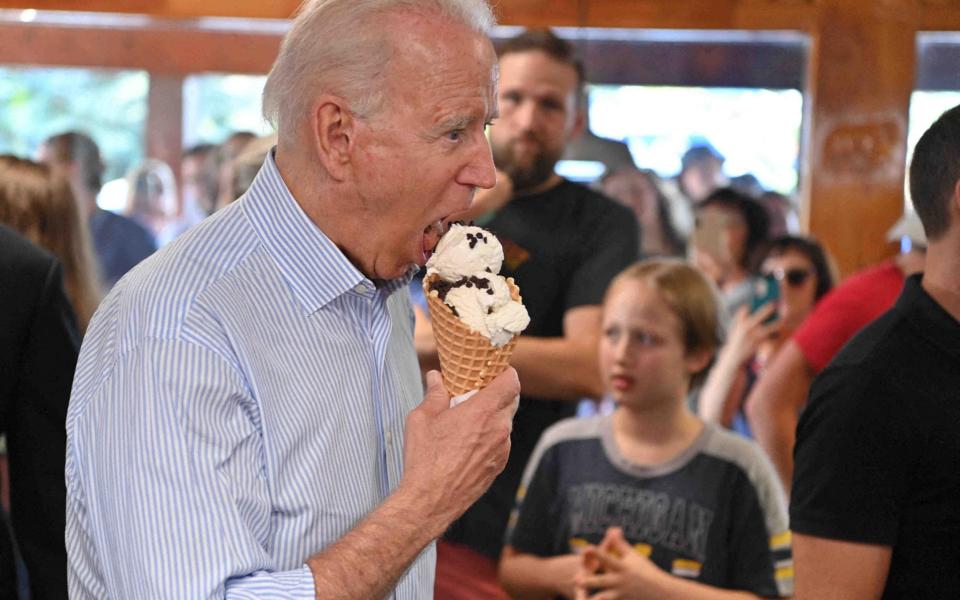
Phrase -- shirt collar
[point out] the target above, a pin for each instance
(930, 319)
(314, 268)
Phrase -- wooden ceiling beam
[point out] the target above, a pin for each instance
(659, 14)
(159, 50)
(175, 9)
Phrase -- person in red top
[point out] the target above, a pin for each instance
(774, 404)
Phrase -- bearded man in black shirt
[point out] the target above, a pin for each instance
(563, 243)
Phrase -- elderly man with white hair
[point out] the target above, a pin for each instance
(246, 420)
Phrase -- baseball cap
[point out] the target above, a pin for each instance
(698, 153)
(908, 226)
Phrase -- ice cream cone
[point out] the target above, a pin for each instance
(468, 361)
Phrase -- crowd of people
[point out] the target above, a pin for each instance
(255, 412)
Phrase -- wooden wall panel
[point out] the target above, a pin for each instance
(701, 14)
(161, 50)
(272, 9)
(165, 120)
(705, 14)
(539, 13)
(862, 74)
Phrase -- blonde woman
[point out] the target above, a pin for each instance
(41, 206)
(152, 199)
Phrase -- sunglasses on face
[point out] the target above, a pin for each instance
(792, 277)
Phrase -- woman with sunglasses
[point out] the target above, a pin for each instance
(804, 275)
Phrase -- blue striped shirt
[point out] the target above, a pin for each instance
(238, 406)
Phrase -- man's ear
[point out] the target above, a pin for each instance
(579, 122)
(333, 128)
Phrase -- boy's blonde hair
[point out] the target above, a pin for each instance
(690, 296)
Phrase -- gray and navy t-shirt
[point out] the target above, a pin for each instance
(714, 514)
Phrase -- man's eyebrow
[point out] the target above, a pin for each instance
(456, 122)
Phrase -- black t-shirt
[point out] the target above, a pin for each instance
(562, 247)
(878, 447)
(714, 514)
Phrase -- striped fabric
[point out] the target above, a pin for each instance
(238, 405)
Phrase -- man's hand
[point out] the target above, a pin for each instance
(452, 455)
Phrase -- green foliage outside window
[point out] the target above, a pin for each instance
(109, 105)
(216, 105)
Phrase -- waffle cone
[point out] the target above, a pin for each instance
(468, 361)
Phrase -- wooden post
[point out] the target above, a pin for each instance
(861, 77)
(165, 121)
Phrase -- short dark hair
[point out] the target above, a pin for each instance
(934, 172)
(812, 250)
(754, 216)
(557, 48)
(79, 149)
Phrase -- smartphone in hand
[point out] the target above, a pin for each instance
(765, 290)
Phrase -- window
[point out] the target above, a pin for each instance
(756, 130)
(216, 105)
(40, 102)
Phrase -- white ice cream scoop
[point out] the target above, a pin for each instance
(463, 251)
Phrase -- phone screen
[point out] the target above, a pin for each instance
(766, 289)
(708, 235)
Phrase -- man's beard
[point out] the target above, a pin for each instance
(529, 176)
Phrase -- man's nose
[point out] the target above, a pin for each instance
(526, 116)
(480, 171)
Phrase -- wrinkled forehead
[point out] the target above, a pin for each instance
(537, 71)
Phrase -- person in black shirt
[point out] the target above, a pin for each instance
(119, 243)
(876, 489)
(563, 243)
(38, 354)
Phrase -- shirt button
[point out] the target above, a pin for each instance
(360, 288)
(389, 437)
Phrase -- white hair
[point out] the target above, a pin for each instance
(334, 47)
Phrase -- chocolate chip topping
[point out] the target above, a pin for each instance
(474, 238)
(443, 287)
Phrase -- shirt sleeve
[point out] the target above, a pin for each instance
(852, 460)
(843, 312)
(535, 519)
(611, 244)
(761, 559)
(167, 486)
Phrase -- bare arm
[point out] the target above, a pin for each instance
(837, 570)
(723, 390)
(529, 577)
(563, 367)
(774, 404)
(451, 455)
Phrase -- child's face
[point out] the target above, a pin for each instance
(642, 357)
